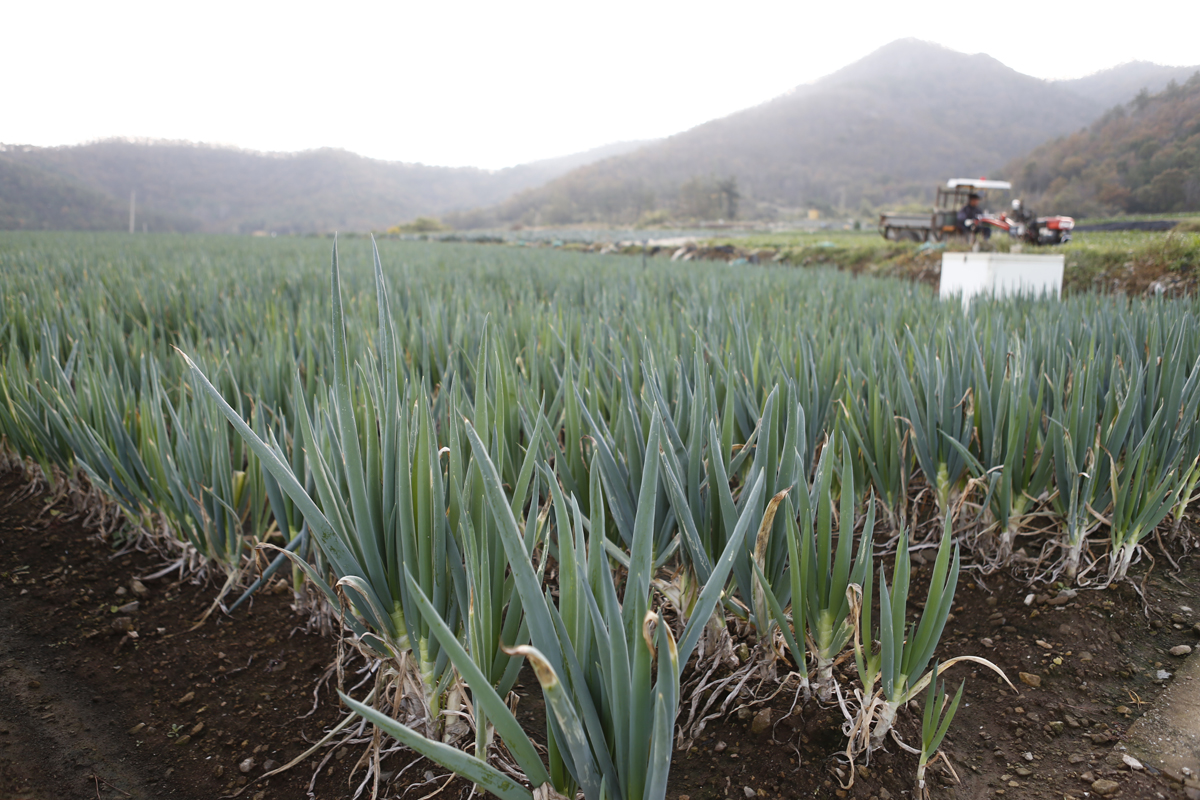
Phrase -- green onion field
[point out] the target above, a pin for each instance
(645, 495)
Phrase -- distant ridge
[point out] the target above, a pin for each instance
(1109, 87)
(185, 186)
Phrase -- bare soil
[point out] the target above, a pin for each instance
(74, 688)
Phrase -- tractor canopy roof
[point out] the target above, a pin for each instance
(976, 183)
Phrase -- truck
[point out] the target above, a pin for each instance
(941, 222)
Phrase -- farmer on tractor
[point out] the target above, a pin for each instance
(969, 218)
(948, 218)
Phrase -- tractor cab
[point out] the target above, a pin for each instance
(955, 194)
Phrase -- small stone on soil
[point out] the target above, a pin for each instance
(1181, 650)
(246, 765)
(1029, 679)
(187, 698)
(1105, 787)
(719, 747)
(746, 790)
(761, 721)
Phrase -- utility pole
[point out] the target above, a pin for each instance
(132, 197)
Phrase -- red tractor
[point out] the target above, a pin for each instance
(944, 222)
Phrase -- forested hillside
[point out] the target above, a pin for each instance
(30, 198)
(189, 187)
(1139, 157)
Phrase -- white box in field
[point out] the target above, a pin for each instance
(1000, 275)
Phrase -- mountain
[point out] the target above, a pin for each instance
(881, 131)
(1119, 84)
(192, 187)
(1143, 156)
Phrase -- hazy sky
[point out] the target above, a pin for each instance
(493, 84)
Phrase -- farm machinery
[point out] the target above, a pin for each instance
(945, 221)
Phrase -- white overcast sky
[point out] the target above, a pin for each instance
(493, 84)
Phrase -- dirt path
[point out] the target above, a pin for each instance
(88, 711)
(1168, 735)
(60, 740)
